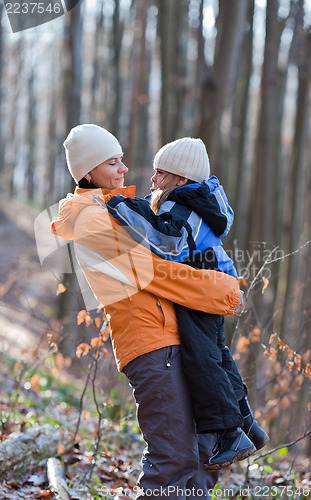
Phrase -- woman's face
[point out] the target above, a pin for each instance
(162, 179)
(109, 174)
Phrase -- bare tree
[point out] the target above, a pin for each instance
(137, 140)
(172, 29)
(219, 83)
(31, 136)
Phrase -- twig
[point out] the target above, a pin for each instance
(57, 479)
(267, 261)
(100, 417)
(81, 405)
(286, 445)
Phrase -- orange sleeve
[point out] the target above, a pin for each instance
(205, 290)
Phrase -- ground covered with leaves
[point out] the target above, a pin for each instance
(43, 398)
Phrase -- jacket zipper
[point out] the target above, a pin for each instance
(168, 357)
(162, 313)
(169, 349)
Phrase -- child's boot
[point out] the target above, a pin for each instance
(231, 446)
(251, 428)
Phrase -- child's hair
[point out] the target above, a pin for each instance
(159, 196)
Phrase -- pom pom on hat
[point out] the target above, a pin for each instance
(186, 157)
(87, 146)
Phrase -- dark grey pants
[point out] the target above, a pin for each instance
(174, 456)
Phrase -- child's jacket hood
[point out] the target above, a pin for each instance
(209, 201)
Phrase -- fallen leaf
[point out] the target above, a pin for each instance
(35, 380)
(61, 449)
(44, 494)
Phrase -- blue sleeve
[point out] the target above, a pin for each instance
(223, 208)
(166, 233)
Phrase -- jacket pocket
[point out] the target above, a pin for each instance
(161, 311)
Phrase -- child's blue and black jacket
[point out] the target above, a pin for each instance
(188, 226)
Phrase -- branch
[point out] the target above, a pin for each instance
(57, 479)
(268, 260)
(286, 445)
(81, 405)
(25, 450)
(100, 417)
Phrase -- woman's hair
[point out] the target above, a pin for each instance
(159, 196)
(84, 184)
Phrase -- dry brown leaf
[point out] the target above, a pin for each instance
(81, 316)
(265, 284)
(82, 350)
(35, 380)
(61, 449)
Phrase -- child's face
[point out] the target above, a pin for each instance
(162, 179)
(159, 179)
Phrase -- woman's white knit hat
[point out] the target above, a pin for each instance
(87, 146)
(186, 157)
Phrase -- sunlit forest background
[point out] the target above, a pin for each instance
(236, 73)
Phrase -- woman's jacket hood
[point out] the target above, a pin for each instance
(71, 206)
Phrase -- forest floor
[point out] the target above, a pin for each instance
(41, 385)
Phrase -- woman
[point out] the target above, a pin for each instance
(144, 329)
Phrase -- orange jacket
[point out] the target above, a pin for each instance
(135, 286)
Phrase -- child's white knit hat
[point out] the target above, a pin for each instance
(186, 157)
(87, 146)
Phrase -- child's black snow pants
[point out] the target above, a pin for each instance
(213, 378)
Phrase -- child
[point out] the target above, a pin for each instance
(188, 211)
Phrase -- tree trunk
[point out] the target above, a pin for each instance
(72, 73)
(239, 183)
(73, 66)
(300, 165)
(96, 83)
(23, 451)
(173, 64)
(31, 137)
(218, 88)
(136, 149)
(2, 143)
(263, 217)
(263, 220)
(14, 109)
(118, 29)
